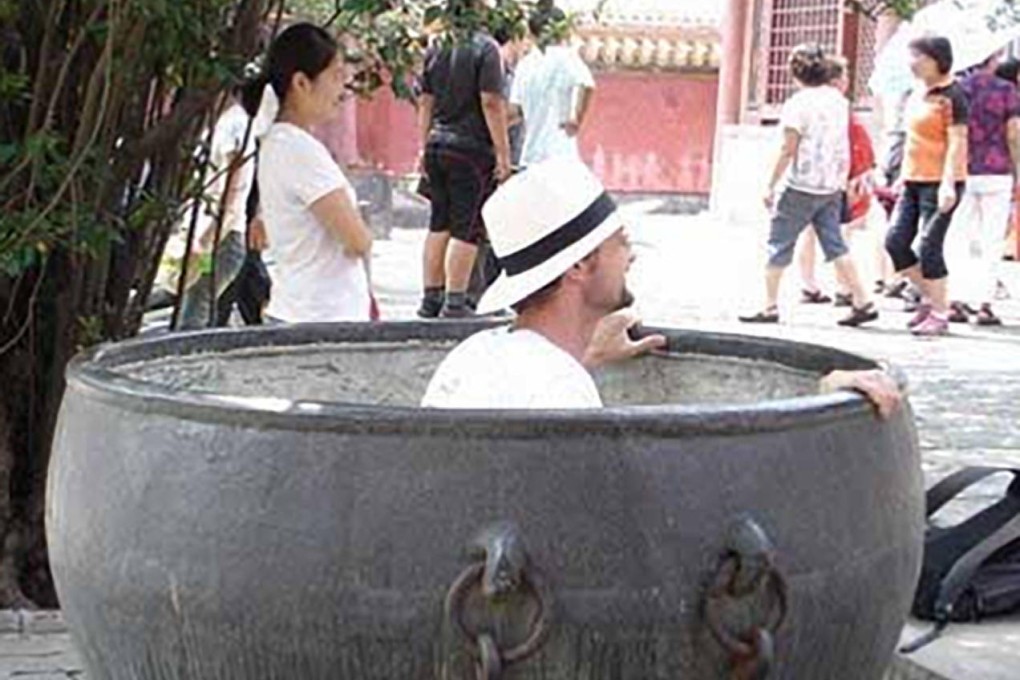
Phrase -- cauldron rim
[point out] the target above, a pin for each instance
(91, 370)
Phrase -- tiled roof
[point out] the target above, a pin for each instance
(661, 35)
(663, 49)
(675, 13)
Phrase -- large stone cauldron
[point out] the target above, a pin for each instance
(272, 505)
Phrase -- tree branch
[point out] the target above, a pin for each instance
(107, 62)
(196, 102)
(29, 316)
(43, 67)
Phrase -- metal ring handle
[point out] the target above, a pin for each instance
(747, 568)
(713, 618)
(472, 577)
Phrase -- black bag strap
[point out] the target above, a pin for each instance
(959, 577)
(951, 486)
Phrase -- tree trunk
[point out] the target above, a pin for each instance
(15, 453)
(11, 550)
(73, 295)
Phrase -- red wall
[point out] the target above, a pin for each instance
(647, 132)
(651, 132)
(388, 137)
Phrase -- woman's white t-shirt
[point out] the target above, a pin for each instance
(821, 116)
(511, 369)
(314, 280)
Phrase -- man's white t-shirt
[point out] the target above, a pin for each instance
(821, 116)
(227, 144)
(544, 87)
(505, 368)
(314, 280)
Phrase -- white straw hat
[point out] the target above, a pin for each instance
(541, 223)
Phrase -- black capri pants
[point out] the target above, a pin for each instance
(918, 210)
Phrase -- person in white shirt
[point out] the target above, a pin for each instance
(552, 91)
(232, 173)
(813, 165)
(565, 255)
(317, 239)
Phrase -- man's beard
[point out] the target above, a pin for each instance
(626, 300)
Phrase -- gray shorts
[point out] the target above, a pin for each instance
(795, 211)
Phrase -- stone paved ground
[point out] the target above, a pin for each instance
(36, 646)
(697, 273)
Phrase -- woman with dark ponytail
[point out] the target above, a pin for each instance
(316, 235)
(811, 169)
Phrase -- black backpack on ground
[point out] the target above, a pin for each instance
(971, 571)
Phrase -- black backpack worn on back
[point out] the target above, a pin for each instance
(971, 571)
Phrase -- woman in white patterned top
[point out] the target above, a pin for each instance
(813, 165)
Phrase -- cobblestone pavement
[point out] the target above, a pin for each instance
(696, 273)
(36, 646)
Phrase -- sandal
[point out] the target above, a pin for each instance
(860, 315)
(814, 297)
(770, 315)
(986, 317)
(960, 312)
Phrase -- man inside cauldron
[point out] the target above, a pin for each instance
(565, 253)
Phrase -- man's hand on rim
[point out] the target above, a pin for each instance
(612, 342)
(877, 386)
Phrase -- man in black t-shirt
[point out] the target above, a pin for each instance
(467, 152)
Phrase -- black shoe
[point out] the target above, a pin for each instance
(767, 316)
(986, 317)
(960, 313)
(843, 300)
(432, 302)
(457, 312)
(814, 297)
(429, 310)
(860, 315)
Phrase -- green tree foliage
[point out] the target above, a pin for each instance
(874, 8)
(905, 9)
(103, 104)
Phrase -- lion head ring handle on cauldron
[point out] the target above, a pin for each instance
(501, 569)
(746, 576)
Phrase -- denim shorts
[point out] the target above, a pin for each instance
(795, 211)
